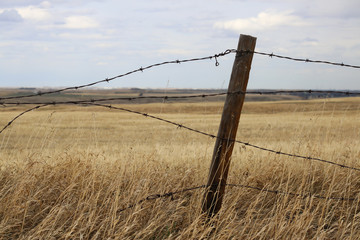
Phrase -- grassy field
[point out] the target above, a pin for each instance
(66, 172)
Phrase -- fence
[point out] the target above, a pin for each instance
(7, 101)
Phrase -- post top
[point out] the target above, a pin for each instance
(246, 36)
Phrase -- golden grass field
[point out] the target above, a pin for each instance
(67, 171)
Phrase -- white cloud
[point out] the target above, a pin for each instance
(80, 22)
(175, 51)
(326, 8)
(310, 42)
(10, 16)
(12, 3)
(145, 31)
(263, 21)
(45, 4)
(105, 44)
(34, 13)
(77, 36)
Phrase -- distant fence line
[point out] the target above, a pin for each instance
(94, 102)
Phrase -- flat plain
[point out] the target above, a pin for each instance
(68, 172)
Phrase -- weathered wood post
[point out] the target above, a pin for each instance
(219, 167)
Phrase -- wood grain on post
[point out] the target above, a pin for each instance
(228, 127)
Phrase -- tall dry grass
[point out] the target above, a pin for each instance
(66, 173)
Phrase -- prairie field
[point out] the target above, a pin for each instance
(71, 172)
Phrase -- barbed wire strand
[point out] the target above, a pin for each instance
(196, 131)
(167, 97)
(301, 59)
(19, 115)
(171, 194)
(215, 56)
(156, 196)
(124, 98)
(353, 92)
(141, 69)
(224, 139)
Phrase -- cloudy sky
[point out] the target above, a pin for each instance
(71, 42)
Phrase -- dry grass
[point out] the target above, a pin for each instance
(65, 172)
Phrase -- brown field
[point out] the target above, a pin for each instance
(67, 171)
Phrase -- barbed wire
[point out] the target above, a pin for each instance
(19, 115)
(141, 69)
(353, 92)
(215, 56)
(156, 196)
(225, 139)
(171, 194)
(193, 130)
(302, 195)
(300, 59)
(124, 98)
(169, 97)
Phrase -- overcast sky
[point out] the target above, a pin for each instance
(71, 42)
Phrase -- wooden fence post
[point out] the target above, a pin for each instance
(219, 167)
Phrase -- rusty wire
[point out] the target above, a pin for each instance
(19, 115)
(225, 139)
(161, 195)
(172, 193)
(192, 130)
(269, 92)
(307, 60)
(141, 69)
(304, 91)
(300, 195)
(215, 56)
(124, 99)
